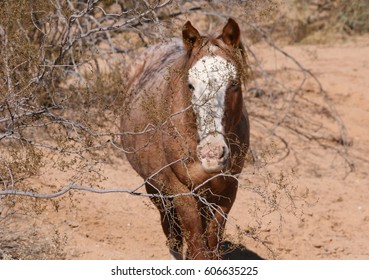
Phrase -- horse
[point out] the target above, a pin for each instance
(185, 130)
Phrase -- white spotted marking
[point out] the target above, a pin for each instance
(209, 78)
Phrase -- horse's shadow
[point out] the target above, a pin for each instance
(232, 251)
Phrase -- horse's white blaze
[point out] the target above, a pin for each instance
(209, 78)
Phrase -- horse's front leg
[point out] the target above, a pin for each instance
(217, 217)
(215, 229)
(169, 222)
(192, 228)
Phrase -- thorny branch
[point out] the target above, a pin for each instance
(119, 190)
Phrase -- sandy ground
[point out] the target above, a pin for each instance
(330, 220)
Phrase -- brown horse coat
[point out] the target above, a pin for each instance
(187, 153)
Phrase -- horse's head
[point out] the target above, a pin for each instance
(215, 72)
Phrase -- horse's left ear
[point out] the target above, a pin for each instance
(231, 33)
(190, 36)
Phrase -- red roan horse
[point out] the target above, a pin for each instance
(186, 132)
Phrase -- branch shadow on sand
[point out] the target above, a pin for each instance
(232, 251)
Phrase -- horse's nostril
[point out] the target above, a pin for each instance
(222, 155)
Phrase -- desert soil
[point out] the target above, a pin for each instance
(330, 220)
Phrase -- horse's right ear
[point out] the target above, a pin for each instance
(231, 33)
(191, 37)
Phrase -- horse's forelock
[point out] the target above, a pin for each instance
(237, 56)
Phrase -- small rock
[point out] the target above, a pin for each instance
(73, 224)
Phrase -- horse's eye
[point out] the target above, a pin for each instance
(235, 83)
(190, 87)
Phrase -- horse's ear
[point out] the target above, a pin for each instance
(231, 33)
(190, 36)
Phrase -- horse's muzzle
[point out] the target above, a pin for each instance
(213, 153)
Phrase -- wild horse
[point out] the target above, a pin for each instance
(186, 131)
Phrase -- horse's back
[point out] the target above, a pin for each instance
(150, 69)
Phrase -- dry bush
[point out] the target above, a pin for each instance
(321, 21)
(64, 65)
